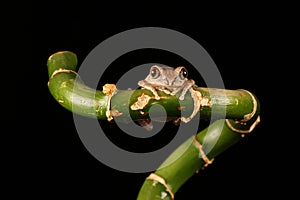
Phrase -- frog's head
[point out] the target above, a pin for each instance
(167, 76)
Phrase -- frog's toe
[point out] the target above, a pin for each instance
(181, 98)
(173, 93)
(168, 92)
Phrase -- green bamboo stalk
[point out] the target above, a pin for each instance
(70, 91)
(218, 134)
(240, 106)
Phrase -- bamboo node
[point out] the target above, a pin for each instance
(60, 70)
(241, 130)
(199, 102)
(201, 152)
(246, 118)
(162, 181)
(249, 116)
(110, 90)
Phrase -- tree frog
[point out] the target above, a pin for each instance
(167, 79)
(170, 80)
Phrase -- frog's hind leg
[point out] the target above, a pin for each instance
(166, 91)
(197, 97)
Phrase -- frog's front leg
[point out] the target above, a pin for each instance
(188, 84)
(161, 88)
(197, 98)
(146, 85)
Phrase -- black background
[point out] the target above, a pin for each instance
(243, 45)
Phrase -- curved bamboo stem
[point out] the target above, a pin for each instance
(70, 91)
(241, 109)
(193, 160)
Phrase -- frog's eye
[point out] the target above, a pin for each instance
(183, 73)
(154, 72)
